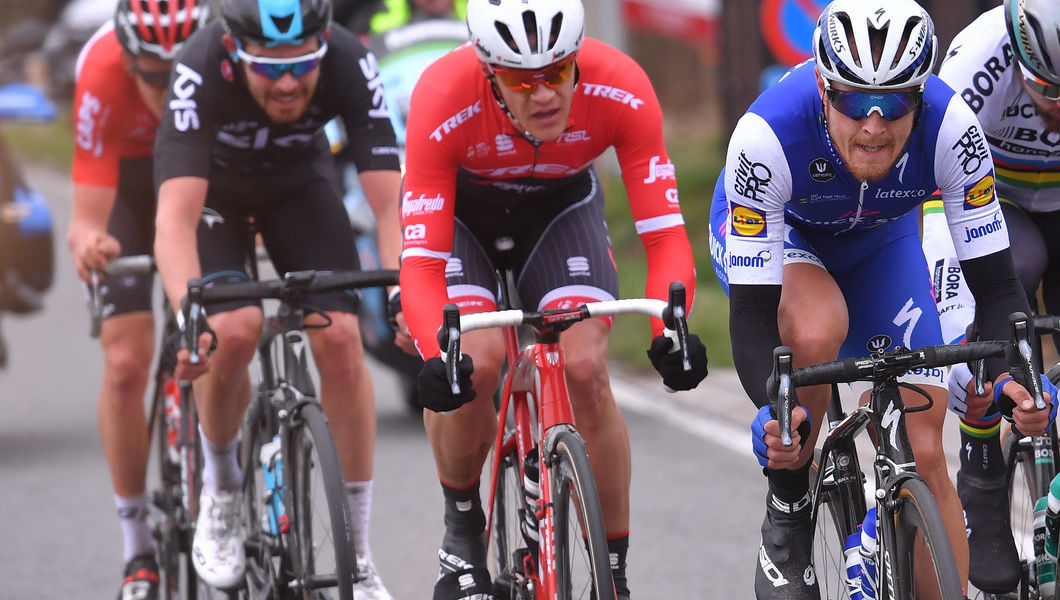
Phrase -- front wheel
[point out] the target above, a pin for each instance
(323, 541)
(915, 525)
(583, 566)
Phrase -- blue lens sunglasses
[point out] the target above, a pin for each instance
(859, 105)
(274, 68)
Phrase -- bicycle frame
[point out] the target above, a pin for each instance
(536, 372)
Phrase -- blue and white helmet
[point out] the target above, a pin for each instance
(842, 43)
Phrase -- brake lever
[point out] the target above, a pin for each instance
(675, 320)
(193, 320)
(1021, 334)
(95, 309)
(449, 338)
(784, 403)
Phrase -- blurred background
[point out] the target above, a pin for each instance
(708, 60)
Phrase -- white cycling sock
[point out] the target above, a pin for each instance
(220, 465)
(132, 513)
(359, 496)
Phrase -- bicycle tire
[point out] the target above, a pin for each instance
(914, 514)
(322, 540)
(262, 570)
(573, 487)
(166, 499)
(839, 506)
(507, 545)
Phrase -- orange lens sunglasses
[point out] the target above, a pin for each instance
(525, 80)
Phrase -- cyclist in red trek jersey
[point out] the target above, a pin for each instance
(502, 135)
(121, 84)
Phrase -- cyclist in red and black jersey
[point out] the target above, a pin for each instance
(502, 135)
(242, 137)
(121, 80)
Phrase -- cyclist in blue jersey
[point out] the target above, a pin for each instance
(814, 235)
(1006, 66)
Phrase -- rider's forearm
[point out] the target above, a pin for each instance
(180, 203)
(382, 190)
(754, 333)
(92, 206)
(998, 293)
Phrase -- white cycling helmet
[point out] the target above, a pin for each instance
(842, 43)
(525, 34)
(1034, 28)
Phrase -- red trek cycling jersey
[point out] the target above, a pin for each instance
(112, 120)
(456, 124)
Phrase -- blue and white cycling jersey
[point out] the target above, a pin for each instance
(782, 169)
(785, 196)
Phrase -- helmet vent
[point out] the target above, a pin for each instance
(844, 20)
(557, 25)
(530, 25)
(506, 35)
(1036, 27)
(283, 23)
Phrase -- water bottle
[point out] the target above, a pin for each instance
(852, 551)
(868, 555)
(171, 414)
(1045, 566)
(531, 494)
(1052, 519)
(272, 468)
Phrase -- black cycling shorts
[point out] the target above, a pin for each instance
(299, 213)
(132, 223)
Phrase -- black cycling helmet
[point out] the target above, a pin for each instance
(276, 22)
(158, 28)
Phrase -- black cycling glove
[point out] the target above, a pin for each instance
(435, 392)
(668, 364)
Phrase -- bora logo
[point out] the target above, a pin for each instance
(979, 194)
(747, 222)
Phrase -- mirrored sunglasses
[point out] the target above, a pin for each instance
(156, 79)
(859, 105)
(525, 80)
(1051, 91)
(274, 68)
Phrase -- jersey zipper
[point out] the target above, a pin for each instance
(861, 200)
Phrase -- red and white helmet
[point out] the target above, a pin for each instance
(158, 28)
(525, 34)
(842, 43)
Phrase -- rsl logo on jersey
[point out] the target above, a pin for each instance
(747, 222)
(980, 194)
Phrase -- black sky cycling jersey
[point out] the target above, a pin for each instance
(210, 117)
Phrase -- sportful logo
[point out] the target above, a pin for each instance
(657, 172)
(454, 267)
(974, 233)
(578, 266)
(211, 217)
(504, 144)
(456, 120)
(613, 93)
(184, 108)
(370, 70)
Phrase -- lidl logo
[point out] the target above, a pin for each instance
(979, 194)
(747, 222)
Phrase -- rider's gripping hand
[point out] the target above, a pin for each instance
(765, 437)
(668, 363)
(1017, 405)
(176, 361)
(92, 249)
(963, 399)
(435, 392)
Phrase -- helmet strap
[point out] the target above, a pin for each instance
(504, 107)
